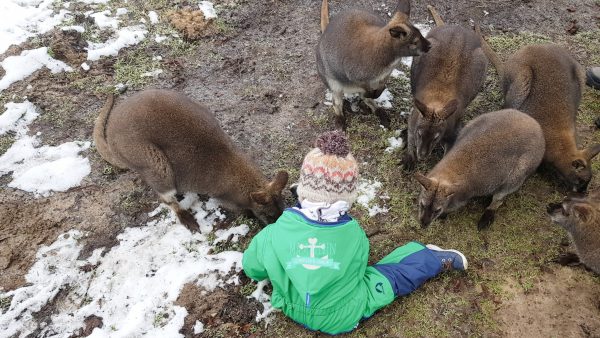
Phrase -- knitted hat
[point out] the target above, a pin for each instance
(329, 172)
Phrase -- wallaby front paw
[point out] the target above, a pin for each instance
(486, 219)
(384, 117)
(408, 162)
(188, 220)
(340, 122)
(569, 258)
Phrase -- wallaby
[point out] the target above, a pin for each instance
(581, 218)
(493, 155)
(443, 82)
(546, 82)
(358, 51)
(177, 146)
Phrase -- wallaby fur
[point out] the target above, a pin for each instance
(358, 51)
(443, 81)
(546, 82)
(177, 146)
(581, 218)
(493, 155)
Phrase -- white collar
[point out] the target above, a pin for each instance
(323, 212)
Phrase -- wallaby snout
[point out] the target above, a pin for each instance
(177, 146)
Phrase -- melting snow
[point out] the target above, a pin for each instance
(17, 117)
(394, 141)
(21, 19)
(126, 36)
(367, 191)
(131, 286)
(385, 99)
(207, 9)
(103, 20)
(153, 16)
(21, 66)
(260, 295)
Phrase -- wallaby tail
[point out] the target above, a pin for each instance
(100, 133)
(324, 15)
(436, 16)
(489, 52)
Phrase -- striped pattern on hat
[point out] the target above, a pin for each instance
(325, 175)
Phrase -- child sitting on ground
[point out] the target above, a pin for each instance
(316, 254)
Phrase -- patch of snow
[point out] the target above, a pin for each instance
(19, 67)
(17, 117)
(120, 86)
(367, 191)
(385, 99)
(85, 66)
(153, 16)
(21, 19)
(153, 73)
(121, 11)
(79, 29)
(133, 287)
(44, 169)
(103, 20)
(198, 327)
(157, 58)
(126, 36)
(160, 38)
(235, 232)
(395, 143)
(260, 295)
(207, 9)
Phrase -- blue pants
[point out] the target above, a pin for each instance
(400, 273)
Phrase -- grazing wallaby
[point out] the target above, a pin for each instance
(545, 82)
(493, 155)
(581, 218)
(444, 81)
(358, 51)
(177, 146)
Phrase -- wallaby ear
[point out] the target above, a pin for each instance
(449, 109)
(279, 181)
(261, 197)
(421, 107)
(578, 163)
(423, 180)
(403, 6)
(582, 211)
(398, 32)
(592, 151)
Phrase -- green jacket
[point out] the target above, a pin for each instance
(317, 270)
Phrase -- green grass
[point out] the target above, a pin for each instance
(519, 246)
(6, 141)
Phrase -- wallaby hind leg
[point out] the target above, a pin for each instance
(490, 212)
(338, 109)
(159, 175)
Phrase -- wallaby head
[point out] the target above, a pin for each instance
(267, 203)
(580, 216)
(577, 169)
(434, 199)
(431, 125)
(574, 211)
(407, 40)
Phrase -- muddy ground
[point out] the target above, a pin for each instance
(257, 73)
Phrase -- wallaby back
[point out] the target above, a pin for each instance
(581, 218)
(493, 155)
(546, 82)
(443, 81)
(177, 146)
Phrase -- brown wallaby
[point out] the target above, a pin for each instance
(581, 218)
(443, 81)
(546, 82)
(493, 155)
(177, 146)
(358, 51)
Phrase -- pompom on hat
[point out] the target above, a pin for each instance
(329, 172)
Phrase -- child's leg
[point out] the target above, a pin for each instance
(408, 267)
(404, 270)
